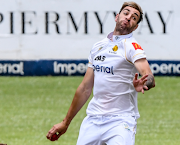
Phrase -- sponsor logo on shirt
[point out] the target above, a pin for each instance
(136, 46)
(115, 48)
(103, 69)
(100, 58)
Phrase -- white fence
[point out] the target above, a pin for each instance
(67, 29)
(34, 30)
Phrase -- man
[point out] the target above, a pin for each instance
(112, 71)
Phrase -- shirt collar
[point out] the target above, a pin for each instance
(116, 38)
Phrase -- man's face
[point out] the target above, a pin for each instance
(126, 21)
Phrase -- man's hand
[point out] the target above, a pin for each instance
(61, 128)
(139, 83)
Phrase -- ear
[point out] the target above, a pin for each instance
(116, 17)
(135, 27)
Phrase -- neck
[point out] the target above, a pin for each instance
(121, 32)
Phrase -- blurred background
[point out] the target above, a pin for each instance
(49, 41)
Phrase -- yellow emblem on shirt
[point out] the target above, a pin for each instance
(115, 48)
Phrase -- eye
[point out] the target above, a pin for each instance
(134, 18)
(125, 13)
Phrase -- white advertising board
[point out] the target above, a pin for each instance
(67, 29)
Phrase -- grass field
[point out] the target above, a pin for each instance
(30, 106)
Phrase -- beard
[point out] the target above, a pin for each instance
(122, 28)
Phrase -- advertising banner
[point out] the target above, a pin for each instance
(73, 68)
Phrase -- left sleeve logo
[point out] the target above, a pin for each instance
(137, 46)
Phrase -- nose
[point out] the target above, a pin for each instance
(128, 17)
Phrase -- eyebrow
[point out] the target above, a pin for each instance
(134, 13)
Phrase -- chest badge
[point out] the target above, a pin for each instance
(115, 48)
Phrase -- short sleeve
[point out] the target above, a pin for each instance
(134, 51)
(90, 60)
(95, 49)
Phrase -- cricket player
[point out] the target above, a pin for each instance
(114, 64)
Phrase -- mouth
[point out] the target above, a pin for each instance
(126, 22)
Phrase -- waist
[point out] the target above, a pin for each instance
(104, 119)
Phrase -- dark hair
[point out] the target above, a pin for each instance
(133, 5)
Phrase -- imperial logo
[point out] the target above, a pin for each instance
(16, 68)
(165, 68)
(71, 68)
(103, 69)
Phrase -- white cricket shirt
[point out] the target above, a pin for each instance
(114, 70)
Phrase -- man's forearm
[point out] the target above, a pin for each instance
(80, 98)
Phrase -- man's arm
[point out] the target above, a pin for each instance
(81, 96)
(143, 68)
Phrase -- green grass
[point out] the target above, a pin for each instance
(30, 106)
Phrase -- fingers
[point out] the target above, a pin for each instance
(144, 77)
(51, 132)
(142, 91)
(136, 76)
(145, 87)
(144, 80)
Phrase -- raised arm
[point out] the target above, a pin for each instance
(81, 96)
(147, 77)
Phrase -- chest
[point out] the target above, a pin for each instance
(112, 55)
(110, 62)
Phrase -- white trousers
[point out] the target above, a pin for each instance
(107, 130)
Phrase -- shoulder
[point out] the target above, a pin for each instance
(99, 45)
(133, 50)
(132, 44)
